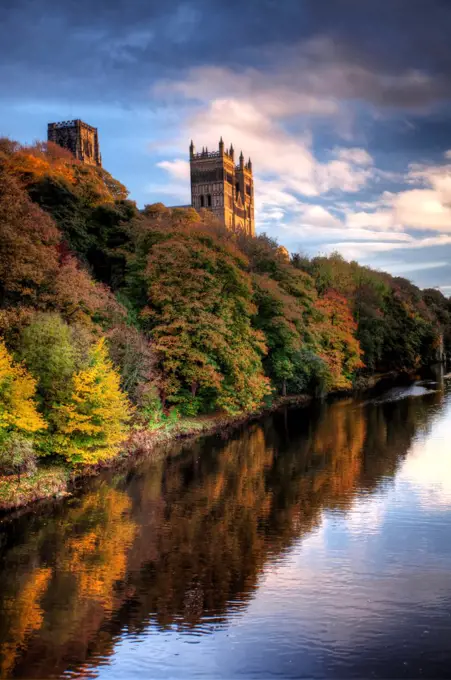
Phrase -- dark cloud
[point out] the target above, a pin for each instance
(395, 34)
(116, 48)
(128, 42)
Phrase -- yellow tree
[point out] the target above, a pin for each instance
(92, 424)
(17, 390)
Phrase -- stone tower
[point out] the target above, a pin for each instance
(223, 187)
(79, 138)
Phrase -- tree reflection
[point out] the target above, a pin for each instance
(183, 542)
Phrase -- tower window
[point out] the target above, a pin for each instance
(209, 200)
(248, 189)
(202, 201)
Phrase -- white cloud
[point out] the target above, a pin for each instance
(405, 268)
(355, 155)
(422, 209)
(426, 208)
(342, 175)
(374, 220)
(178, 168)
(365, 250)
(272, 95)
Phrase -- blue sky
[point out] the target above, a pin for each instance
(343, 106)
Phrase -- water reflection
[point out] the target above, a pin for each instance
(184, 547)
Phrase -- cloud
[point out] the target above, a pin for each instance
(374, 220)
(426, 208)
(178, 168)
(268, 93)
(355, 155)
(335, 49)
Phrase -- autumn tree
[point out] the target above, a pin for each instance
(335, 330)
(28, 247)
(199, 313)
(92, 424)
(18, 412)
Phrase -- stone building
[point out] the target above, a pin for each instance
(79, 138)
(223, 187)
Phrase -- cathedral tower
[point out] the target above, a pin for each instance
(223, 187)
(79, 138)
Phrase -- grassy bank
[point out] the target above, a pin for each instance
(46, 482)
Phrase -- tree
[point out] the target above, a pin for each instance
(285, 299)
(28, 247)
(336, 330)
(132, 354)
(48, 350)
(79, 298)
(92, 424)
(199, 312)
(18, 412)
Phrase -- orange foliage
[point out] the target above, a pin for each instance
(336, 331)
(33, 163)
(80, 298)
(28, 240)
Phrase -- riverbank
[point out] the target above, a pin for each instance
(57, 480)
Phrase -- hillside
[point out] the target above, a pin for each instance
(112, 317)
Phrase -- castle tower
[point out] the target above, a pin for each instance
(79, 138)
(223, 187)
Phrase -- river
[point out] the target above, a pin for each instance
(314, 543)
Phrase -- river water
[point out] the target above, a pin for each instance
(315, 543)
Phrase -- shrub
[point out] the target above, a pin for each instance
(17, 455)
(152, 412)
(311, 374)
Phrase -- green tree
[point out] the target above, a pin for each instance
(48, 350)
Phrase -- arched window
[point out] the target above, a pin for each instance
(209, 200)
(202, 201)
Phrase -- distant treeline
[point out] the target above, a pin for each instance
(112, 317)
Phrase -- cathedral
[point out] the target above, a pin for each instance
(226, 189)
(217, 184)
